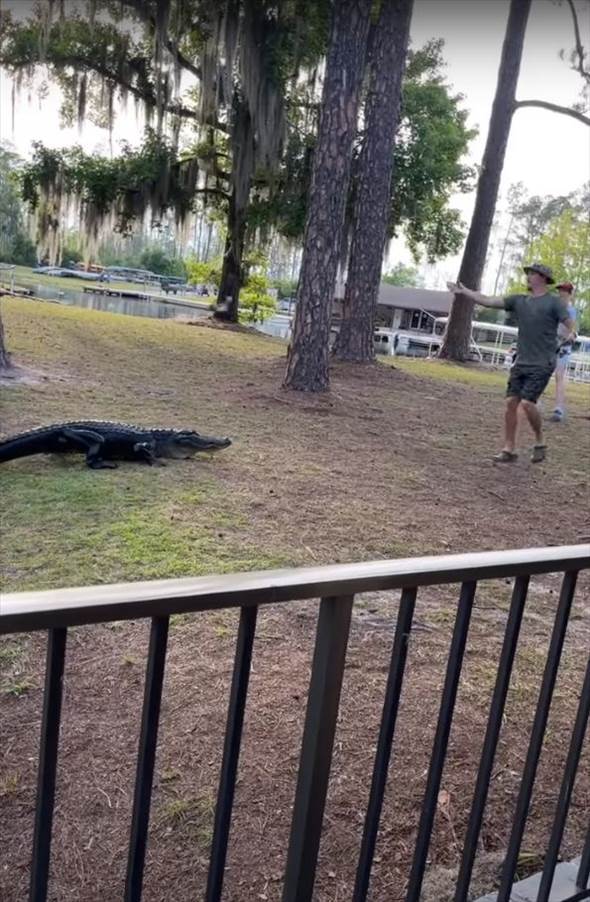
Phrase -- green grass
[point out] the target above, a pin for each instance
(67, 525)
(193, 815)
(467, 374)
(15, 687)
(292, 489)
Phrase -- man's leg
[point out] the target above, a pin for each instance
(511, 423)
(560, 380)
(534, 418)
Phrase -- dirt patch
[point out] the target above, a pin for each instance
(391, 462)
(18, 375)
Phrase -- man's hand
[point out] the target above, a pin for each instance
(459, 288)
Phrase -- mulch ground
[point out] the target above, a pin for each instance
(390, 462)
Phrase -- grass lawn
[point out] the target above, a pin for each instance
(394, 461)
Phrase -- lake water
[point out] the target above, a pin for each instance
(278, 326)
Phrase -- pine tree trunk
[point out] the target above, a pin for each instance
(308, 359)
(386, 67)
(457, 337)
(5, 362)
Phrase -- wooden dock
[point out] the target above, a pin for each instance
(120, 293)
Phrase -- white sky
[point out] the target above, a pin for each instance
(549, 153)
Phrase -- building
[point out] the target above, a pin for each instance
(408, 309)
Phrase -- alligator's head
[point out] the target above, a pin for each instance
(183, 443)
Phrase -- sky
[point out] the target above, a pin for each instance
(549, 153)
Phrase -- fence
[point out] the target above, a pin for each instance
(336, 586)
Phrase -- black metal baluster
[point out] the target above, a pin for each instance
(506, 662)
(148, 740)
(387, 729)
(565, 792)
(231, 752)
(538, 732)
(583, 877)
(441, 739)
(316, 749)
(50, 722)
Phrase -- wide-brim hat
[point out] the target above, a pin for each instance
(543, 270)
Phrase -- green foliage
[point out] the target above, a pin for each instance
(430, 144)
(564, 247)
(286, 288)
(15, 244)
(91, 62)
(404, 276)
(528, 216)
(157, 260)
(207, 273)
(256, 304)
(22, 251)
(71, 252)
(110, 192)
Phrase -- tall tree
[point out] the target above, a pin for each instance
(242, 56)
(430, 143)
(528, 217)
(456, 341)
(5, 362)
(388, 46)
(564, 246)
(308, 357)
(15, 245)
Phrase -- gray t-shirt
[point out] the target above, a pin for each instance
(538, 319)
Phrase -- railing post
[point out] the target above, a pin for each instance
(390, 708)
(565, 792)
(441, 739)
(583, 877)
(146, 757)
(56, 651)
(568, 588)
(511, 634)
(231, 752)
(316, 750)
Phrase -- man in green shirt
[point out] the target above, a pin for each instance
(538, 316)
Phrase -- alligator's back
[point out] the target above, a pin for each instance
(53, 439)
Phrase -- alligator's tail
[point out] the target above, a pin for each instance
(22, 446)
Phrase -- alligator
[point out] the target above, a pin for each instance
(105, 442)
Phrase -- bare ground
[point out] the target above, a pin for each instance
(393, 461)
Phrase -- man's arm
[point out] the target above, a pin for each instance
(459, 289)
(569, 327)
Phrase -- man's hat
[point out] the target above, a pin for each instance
(565, 286)
(542, 270)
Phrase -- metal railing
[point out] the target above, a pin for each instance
(336, 586)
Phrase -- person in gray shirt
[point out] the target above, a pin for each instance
(538, 316)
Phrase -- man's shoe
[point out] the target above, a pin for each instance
(557, 415)
(505, 457)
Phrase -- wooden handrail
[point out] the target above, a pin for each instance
(25, 611)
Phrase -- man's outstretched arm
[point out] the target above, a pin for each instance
(459, 289)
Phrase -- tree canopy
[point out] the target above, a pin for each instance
(223, 134)
(563, 245)
(15, 244)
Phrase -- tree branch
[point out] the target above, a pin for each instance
(554, 108)
(150, 99)
(579, 46)
(219, 192)
(142, 10)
